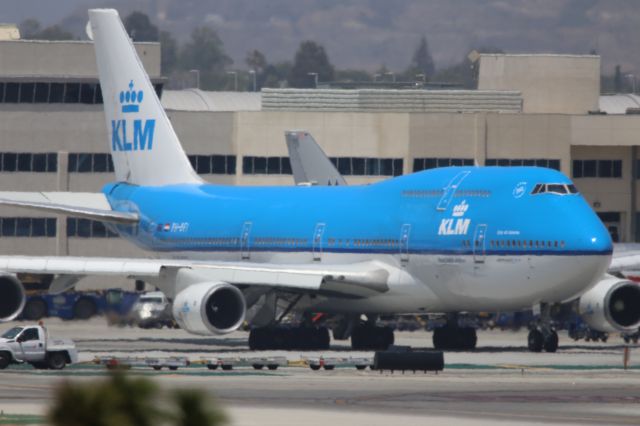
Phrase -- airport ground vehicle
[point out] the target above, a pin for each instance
(78, 305)
(152, 310)
(33, 345)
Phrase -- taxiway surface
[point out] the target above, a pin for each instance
(500, 382)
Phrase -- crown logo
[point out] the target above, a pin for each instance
(460, 209)
(130, 99)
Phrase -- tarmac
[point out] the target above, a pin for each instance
(500, 382)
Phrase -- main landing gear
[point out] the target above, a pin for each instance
(542, 334)
(453, 337)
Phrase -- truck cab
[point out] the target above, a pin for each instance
(31, 344)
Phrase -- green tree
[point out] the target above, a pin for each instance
(123, 401)
(257, 62)
(422, 62)
(310, 58)
(140, 28)
(31, 29)
(205, 52)
(168, 53)
(276, 75)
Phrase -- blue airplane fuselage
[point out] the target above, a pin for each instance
(470, 238)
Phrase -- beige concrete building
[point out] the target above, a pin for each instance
(530, 110)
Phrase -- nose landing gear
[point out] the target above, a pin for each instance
(542, 334)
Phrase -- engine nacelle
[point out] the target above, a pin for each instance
(12, 297)
(613, 304)
(210, 308)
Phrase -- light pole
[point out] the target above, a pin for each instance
(632, 79)
(235, 79)
(253, 74)
(315, 78)
(197, 76)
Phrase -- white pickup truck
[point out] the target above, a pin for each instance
(31, 344)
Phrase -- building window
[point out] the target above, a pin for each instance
(86, 228)
(597, 168)
(266, 165)
(420, 164)
(54, 93)
(28, 227)
(529, 162)
(89, 162)
(29, 162)
(365, 166)
(213, 164)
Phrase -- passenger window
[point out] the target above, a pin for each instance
(29, 334)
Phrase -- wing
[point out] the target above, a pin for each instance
(86, 205)
(309, 163)
(626, 259)
(349, 280)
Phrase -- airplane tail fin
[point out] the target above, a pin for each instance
(144, 146)
(309, 163)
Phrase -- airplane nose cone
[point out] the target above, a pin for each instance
(600, 242)
(593, 236)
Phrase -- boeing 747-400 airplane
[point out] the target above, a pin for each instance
(452, 239)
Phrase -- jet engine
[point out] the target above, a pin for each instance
(613, 304)
(12, 297)
(210, 308)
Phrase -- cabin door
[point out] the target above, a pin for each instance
(245, 250)
(317, 241)
(405, 232)
(479, 238)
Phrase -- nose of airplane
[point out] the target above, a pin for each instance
(593, 235)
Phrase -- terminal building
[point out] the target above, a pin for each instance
(543, 110)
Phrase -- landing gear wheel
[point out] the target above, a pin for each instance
(535, 340)
(551, 342)
(56, 360)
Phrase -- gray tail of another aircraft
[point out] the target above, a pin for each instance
(309, 163)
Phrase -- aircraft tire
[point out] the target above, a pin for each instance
(535, 340)
(551, 342)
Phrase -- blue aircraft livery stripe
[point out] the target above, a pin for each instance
(490, 211)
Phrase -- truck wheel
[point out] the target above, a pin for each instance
(5, 360)
(84, 308)
(35, 309)
(56, 360)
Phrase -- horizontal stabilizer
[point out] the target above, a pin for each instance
(87, 205)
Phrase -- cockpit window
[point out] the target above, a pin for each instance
(557, 188)
(554, 188)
